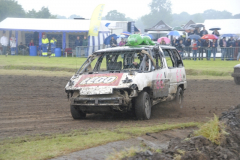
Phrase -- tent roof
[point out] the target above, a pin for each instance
(227, 25)
(48, 25)
(160, 26)
(186, 26)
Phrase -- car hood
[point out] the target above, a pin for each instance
(92, 84)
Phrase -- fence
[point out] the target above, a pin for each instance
(225, 53)
(188, 53)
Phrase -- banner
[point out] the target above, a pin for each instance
(96, 20)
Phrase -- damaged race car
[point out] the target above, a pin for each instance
(127, 79)
(236, 74)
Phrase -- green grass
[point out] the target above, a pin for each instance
(216, 68)
(45, 147)
(214, 130)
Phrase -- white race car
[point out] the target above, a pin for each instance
(125, 79)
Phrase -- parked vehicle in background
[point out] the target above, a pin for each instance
(236, 74)
(106, 82)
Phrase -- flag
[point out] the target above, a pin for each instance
(96, 20)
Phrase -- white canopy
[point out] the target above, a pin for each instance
(48, 25)
(227, 25)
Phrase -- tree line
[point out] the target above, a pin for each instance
(159, 10)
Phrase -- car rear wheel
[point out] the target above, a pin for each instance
(237, 80)
(143, 106)
(179, 98)
(76, 114)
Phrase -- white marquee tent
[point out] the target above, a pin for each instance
(65, 27)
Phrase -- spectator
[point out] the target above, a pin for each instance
(194, 48)
(53, 43)
(122, 43)
(31, 43)
(184, 37)
(197, 31)
(236, 45)
(162, 42)
(214, 48)
(188, 47)
(238, 57)
(85, 44)
(223, 45)
(4, 43)
(180, 47)
(174, 42)
(21, 48)
(78, 44)
(203, 32)
(205, 46)
(45, 45)
(215, 32)
(230, 44)
(209, 51)
(200, 48)
(191, 32)
(13, 44)
(113, 42)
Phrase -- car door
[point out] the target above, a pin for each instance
(160, 78)
(172, 71)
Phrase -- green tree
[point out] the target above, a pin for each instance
(10, 8)
(236, 16)
(43, 13)
(114, 15)
(160, 10)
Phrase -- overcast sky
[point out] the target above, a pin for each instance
(132, 8)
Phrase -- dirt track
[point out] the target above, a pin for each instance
(39, 105)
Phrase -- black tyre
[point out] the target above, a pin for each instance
(179, 98)
(143, 106)
(76, 114)
(237, 80)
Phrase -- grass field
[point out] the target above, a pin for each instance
(46, 147)
(18, 65)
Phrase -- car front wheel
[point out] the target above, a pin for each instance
(143, 106)
(76, 114)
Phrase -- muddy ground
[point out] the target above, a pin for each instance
(39, 105)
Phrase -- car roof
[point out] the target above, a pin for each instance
(132, 48)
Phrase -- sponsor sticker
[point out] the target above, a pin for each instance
(112, 79)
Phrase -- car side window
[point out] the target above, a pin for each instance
(158, 61)
(177, 57)
(169, 59)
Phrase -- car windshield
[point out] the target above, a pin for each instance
(116, 61)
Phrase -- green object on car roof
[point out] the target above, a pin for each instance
(136, 39)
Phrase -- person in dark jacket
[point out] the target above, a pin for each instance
(238, 57)
(85, 44)
(113, 42)
(78, 44)
(191, 32)
(223, 45)
(188, 47)
(174, 42)
(200, 49)
(197, 31)
(180, 46)
(230, 50)
(209, 49)
(203, 32)
(214, 48)
(215, 32)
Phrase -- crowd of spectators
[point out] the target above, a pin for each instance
(197, 47)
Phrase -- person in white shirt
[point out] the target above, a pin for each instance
(4, 43)
(13, 44)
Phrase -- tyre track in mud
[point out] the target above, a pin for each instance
(39, 105)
